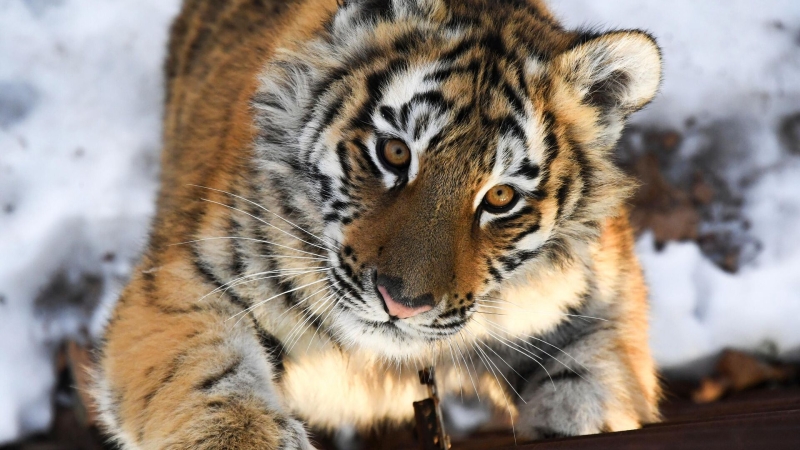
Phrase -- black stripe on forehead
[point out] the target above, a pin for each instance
(389, 115)
(364, 58)
(451, 70)
(375, 83)
(433, 98)
(510, 126)
(527, 169)
(372, 9)
(489, 43)
(551, 148)
(421, 123)
(431, 103)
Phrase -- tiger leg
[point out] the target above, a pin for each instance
(209, 390)
(580, 382)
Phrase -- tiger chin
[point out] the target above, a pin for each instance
(354, 190)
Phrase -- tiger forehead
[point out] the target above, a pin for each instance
(465, 80)
(463, 117)
(500, 25)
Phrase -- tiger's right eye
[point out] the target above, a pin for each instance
(394, 154)
(500, 199)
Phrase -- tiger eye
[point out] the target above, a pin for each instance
(500, 196)
(396, 153)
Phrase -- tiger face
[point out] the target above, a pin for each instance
(447, 152)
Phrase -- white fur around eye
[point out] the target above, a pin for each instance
(494, 180)
(511, 152)
(487, 216)
(401, 89)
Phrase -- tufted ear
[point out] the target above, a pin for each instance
(618, 72)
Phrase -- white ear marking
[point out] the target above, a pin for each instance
(619, 69)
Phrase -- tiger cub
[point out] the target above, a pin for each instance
(354, 190)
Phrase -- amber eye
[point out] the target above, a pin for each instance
(500, 199)
(394, 154)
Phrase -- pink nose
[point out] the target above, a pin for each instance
(398, 309)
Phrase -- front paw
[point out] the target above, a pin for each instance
(567, 406)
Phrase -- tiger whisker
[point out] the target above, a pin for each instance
(274, 297)
(265, 223)
(277, 273)
(339, 313)
(334, 245)
(494, 307)
(458, 346)
(478, 353)
(496, 300)
(331, 309)
(258, 279)
(298, 331)
(586, 317)
(328, 309)
(296, 257)
(499, 371)
(301, 302)
(499, 300)
(458, 367)
(262, 241)
(289, 340)
(551, 345)
(526, 353)
(321, 305)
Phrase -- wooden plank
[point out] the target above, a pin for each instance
(680, 410)
(771, 430)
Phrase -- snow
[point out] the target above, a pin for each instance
(80, 95)
(80, 110)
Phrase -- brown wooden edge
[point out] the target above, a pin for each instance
(778, 430)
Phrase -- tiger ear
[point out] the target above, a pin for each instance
(618, 72)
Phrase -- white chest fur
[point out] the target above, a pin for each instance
(329, 389)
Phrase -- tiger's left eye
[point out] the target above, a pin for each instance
(500, 199)
(394, 154)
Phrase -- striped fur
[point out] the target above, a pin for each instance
(255, 309)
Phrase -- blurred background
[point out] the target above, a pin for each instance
(717, 155)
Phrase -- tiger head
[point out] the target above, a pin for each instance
(445, 148)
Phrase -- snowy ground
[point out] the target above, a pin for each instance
(80, 95)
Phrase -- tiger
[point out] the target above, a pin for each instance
(354, 190)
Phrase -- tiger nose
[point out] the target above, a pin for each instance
(397, 305)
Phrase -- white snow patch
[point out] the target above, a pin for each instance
(80, 107)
